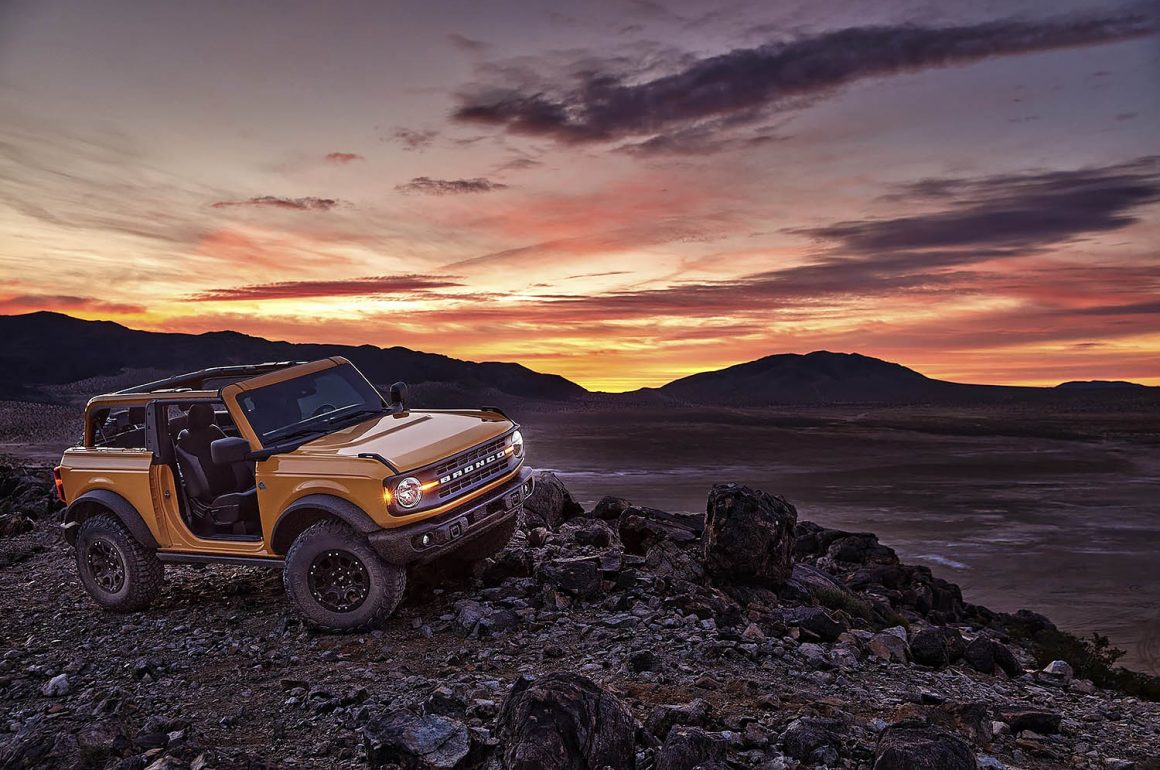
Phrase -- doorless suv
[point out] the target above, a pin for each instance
(300, 466)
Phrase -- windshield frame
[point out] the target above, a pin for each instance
(309, 428)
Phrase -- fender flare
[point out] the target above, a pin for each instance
(314, 508)
(85, 505)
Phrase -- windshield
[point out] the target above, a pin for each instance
(313, 403)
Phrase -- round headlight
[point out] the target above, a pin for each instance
(517, 443)
(408, 492)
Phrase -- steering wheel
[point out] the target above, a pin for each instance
(323, 410)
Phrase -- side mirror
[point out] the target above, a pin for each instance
(227, 451)
(399, 395)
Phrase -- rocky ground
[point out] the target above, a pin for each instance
(622, 637)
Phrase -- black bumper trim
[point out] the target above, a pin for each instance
(452, 529)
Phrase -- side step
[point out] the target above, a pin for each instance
(239, 561)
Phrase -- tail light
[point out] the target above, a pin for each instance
(59, 483)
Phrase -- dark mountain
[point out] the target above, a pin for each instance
(822, 377)
(50, 349)
(1099, 385)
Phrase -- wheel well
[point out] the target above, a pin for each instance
(103, 501)
(294, 523)
(312, 509)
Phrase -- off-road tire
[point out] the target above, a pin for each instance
(118, 571)
(331, 541)
(488, 544)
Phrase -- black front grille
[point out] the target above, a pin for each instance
(460, 473)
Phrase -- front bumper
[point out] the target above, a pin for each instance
(429, 539)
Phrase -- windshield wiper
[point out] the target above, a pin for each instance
(348, 415)
(281, 437)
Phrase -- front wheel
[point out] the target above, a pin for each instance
(119, 572)
(337, 581)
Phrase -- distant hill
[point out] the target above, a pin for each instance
(1100, 385)
(815, 378)
(41, 350)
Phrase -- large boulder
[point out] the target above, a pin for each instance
(687, 748)
(810, 736)
(749, 536)
(917, 746)
(937, 647)
(641, 528)
(564, 721)
(807, 582)
(814, 620)
(663, 718)
(429, 742)
(550, 504)
(576, 576)
(609, 508)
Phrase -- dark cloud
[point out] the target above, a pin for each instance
(273, 201)
(1009, 214)
(428, 186)
(469, 44)
(744, 85)
(343, 157)
(360, 287)
(414, 139)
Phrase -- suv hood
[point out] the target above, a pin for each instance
(412, 439)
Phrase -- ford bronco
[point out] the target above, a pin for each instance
(305, 467)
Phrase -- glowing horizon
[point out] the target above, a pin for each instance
(622, 196)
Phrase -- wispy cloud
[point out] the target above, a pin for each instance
(427, 186)
(342, 158)
(27, 303)
(274, 201)
(369, 286)
(413, 139)
(744, 85)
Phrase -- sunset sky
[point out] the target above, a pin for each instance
(619, 192)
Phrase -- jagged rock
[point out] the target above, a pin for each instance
(430, 742)
(662, 719)
(31, 747)
(577, 576)
(806, 582)
(749, 536)
(1057, 673)
(807, 735)
(591, 532)
(475, 620)
(15, 524)
(56, 686)
(565, 721)
(915, 746)
(644, 660)
(971, 719)
(641, 528)
(888, 647)
(668, 560)
(609, 508)
(687, 748)
(815, 620)
(861, 548)
(1035, 720)
(980, 655)
(550, 504)
(937, 647)
(1006, 661)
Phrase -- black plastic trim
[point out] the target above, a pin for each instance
(171, 557)
(111, 501)
(380, 458)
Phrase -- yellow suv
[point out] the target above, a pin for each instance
(304, 467)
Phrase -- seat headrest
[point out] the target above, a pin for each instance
(200, 416)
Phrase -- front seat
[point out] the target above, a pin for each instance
(224, 494)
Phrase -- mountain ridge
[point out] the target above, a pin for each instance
(45, 350)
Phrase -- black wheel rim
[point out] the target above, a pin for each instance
(106, 566)
(338, 581)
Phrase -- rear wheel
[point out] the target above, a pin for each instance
(119, 572)
(337, 581)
